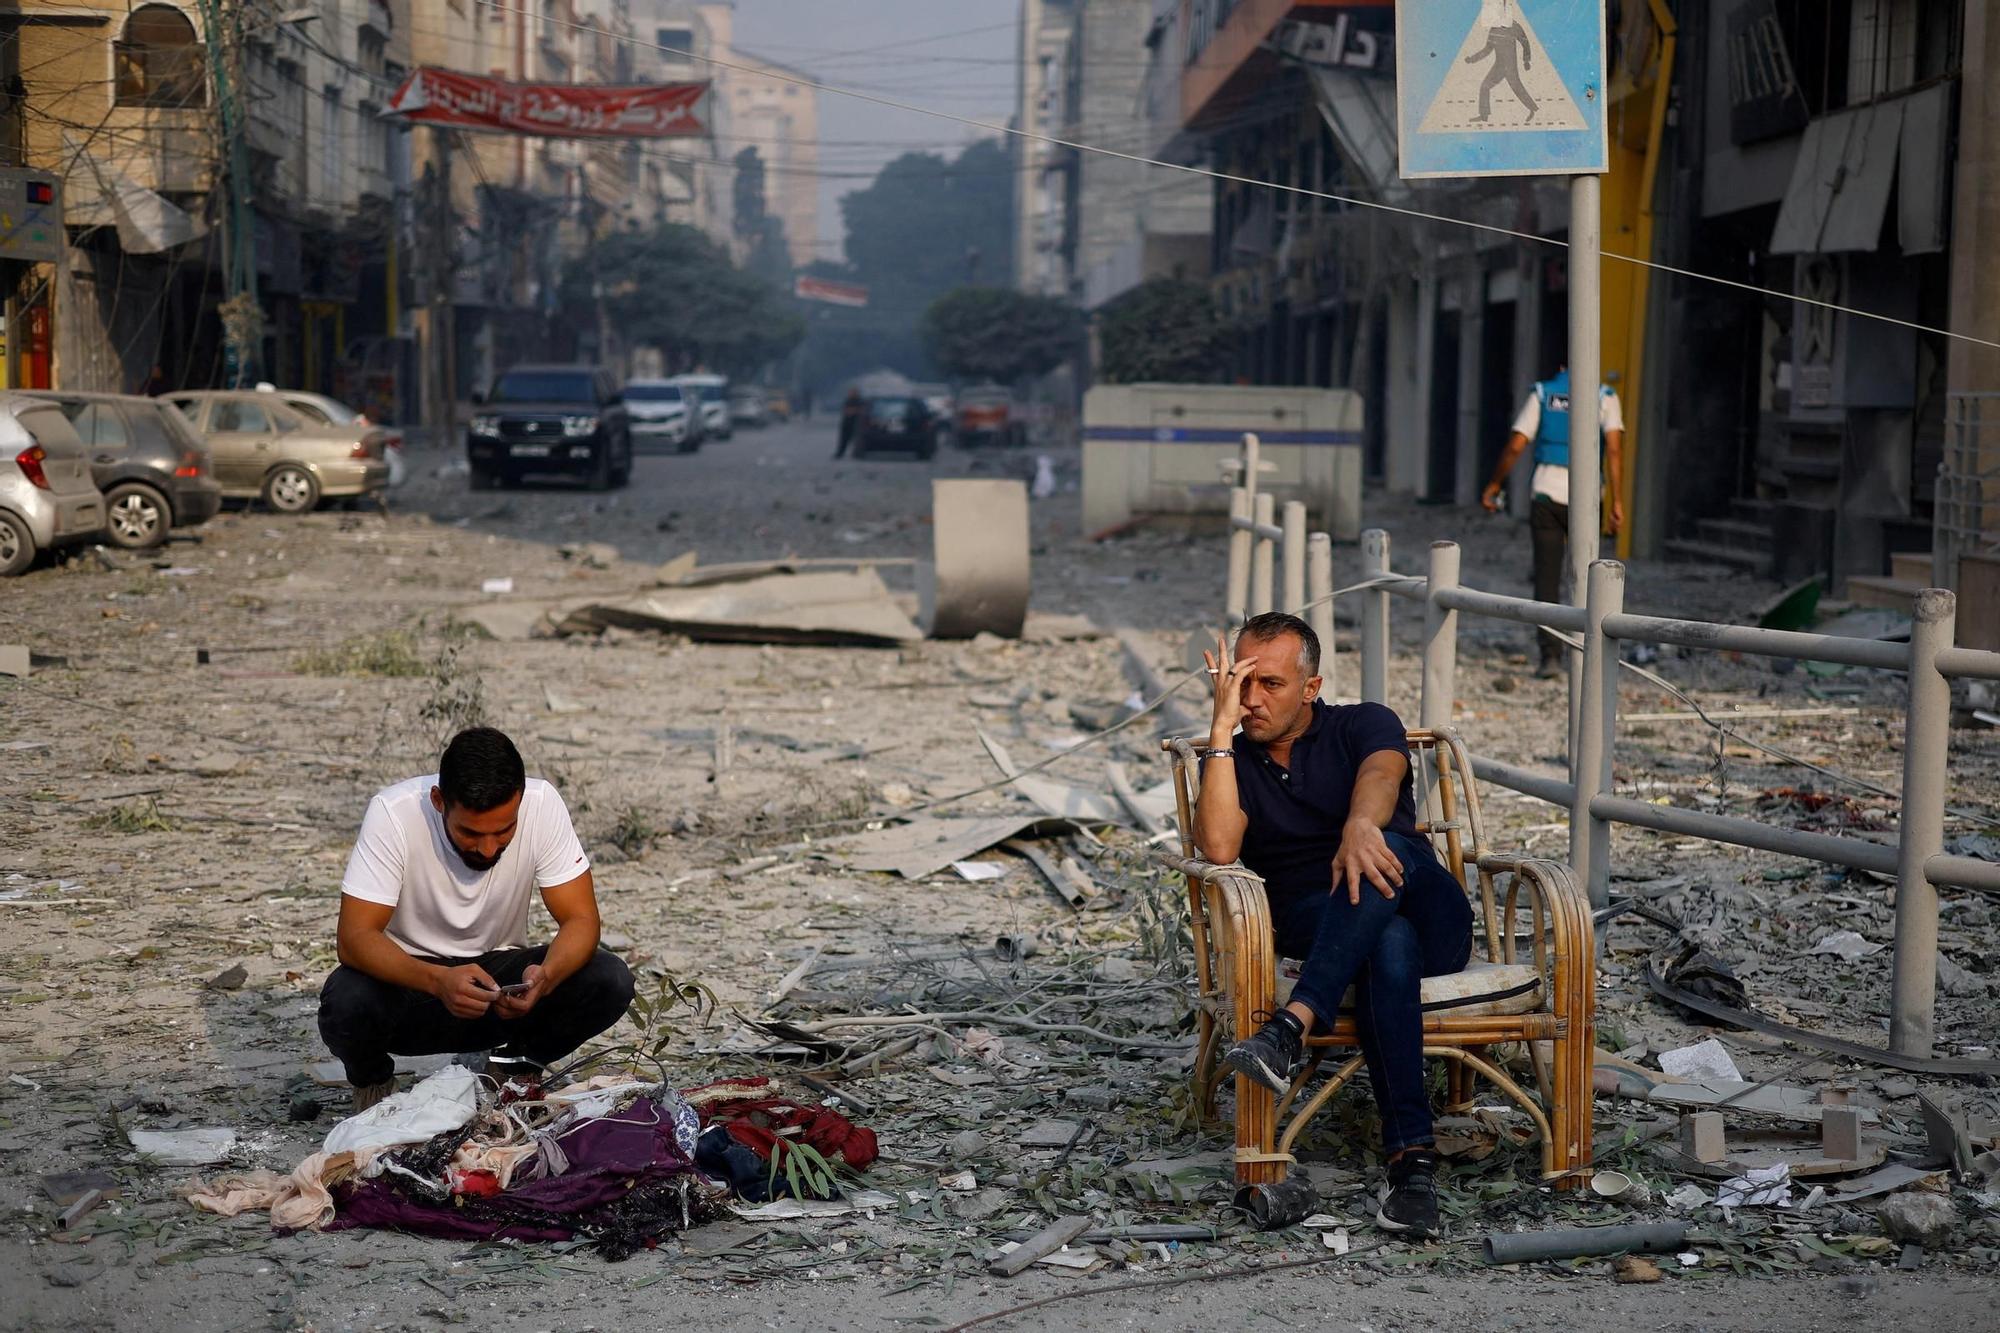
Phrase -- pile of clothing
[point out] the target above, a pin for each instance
(614, 1160)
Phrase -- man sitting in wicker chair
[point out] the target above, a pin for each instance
(1317, 800)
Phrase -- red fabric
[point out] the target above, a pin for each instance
(761, 1123)
(478, 1184)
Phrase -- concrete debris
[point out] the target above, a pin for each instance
(1763, 1187)
(1956, 981)
(1633, 1268)
(1847, 944)
(1704, 1060)
(978, 578)
(834, 608)
(591, 555)
(1949, 1135)
(1775, 1101)
(184, 1147)
(14, 660)
(230, 979)
(1689, 1197)
(1887, 1181)
(930, 843)
(1919, 1219)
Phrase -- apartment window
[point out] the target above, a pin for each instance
(373, 48)
(160, 63)
(1881, 48)
(329, 145)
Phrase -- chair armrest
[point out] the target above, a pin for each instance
(1554, 896)
(1239, 914)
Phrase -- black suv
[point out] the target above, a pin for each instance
(145, 457)
(567, 420)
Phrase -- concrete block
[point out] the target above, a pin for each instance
(14, 660)
(978, 581)
(1702, 1136)
(1840, 1133)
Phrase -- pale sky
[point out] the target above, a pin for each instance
(956, 56)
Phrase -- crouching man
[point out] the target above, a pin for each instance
(433, 935)
(1318, 801)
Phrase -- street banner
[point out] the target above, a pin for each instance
(1501, 87)
(432, 96)
(831, 292)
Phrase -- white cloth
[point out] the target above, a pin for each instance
(445, 908)
(446, 1100)
(1551, 480)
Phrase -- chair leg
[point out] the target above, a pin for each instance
(1458, 1088)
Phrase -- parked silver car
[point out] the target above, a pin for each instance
(263, 448)
(663, 413)
(47, 497)
(324, 411)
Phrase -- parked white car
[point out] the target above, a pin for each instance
(662, 415)
(713, 393)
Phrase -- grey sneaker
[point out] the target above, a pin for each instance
(1410, 1195)
(1268, 1054)
(368, 1094)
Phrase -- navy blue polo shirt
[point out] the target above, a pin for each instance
(1296, 813)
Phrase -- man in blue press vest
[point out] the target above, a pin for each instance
(1544, 420)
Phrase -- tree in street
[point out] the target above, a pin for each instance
(992, 333)
(1165, 330)
(675, 289)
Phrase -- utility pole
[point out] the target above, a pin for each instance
(440, 359)
(242, 320)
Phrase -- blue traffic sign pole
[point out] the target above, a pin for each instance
(1516, 88)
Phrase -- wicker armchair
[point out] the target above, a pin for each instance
(1547, 1001)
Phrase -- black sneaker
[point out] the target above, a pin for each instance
(1268, 1054)
(1410, 1196)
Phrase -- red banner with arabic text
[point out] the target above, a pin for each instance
(552, 110)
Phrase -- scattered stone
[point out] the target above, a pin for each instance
(1923, 1219)
(1955, 980)
(231, 979)
(304, 1110)
(1635, 1268)
(1857, 1286)
(968, 1143)
(1895, 1089)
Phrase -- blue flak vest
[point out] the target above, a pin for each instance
(1552, 436)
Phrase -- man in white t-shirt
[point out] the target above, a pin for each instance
(1544, 421)
(433, 935)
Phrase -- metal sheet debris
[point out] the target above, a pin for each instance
(829, 607)
(930, 843)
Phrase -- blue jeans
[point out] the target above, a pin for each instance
(1383, 947)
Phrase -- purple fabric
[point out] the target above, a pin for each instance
(607, 1158)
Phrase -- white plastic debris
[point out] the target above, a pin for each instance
(1688, 1197)
(184, 1147)
(1760, 1187)
(445, 1100)
(978, 870)
(1847, 944)
(501, 586)
(1335, 1240)
(1701, 1061)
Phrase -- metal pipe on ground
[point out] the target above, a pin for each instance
(1263, 553)
(1375, 618)
(1540, 786)
(1926, 752)
(1531, 1247)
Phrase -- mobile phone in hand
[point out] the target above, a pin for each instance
(518, 988)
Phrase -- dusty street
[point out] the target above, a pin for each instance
(182, 776)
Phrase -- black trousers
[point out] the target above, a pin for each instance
(365, 1021)
(1548, 530)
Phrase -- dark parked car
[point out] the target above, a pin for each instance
(153, 468)
(566, 420)
(899, 423)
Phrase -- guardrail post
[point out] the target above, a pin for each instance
(1440, 639)
(1319, 595)
(1237, 595)
(1294, 556)
(1262, 552)
(1597, 720)
(1920, 836)
(1375, 618)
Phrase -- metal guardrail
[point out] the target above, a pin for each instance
(1917, 858)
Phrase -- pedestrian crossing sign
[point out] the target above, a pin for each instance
(1500, 87)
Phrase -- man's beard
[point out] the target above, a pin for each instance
(475, 860)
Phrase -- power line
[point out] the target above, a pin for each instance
(1353, 201)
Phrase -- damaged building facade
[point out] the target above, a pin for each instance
(1828, 151)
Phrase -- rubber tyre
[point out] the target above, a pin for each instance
(600, 469)
(621, 476)
(17, 546)
(290, 489)
(136, 517)
(481, 478)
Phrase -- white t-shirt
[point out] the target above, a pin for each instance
(445, 908)
(1552, 479)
